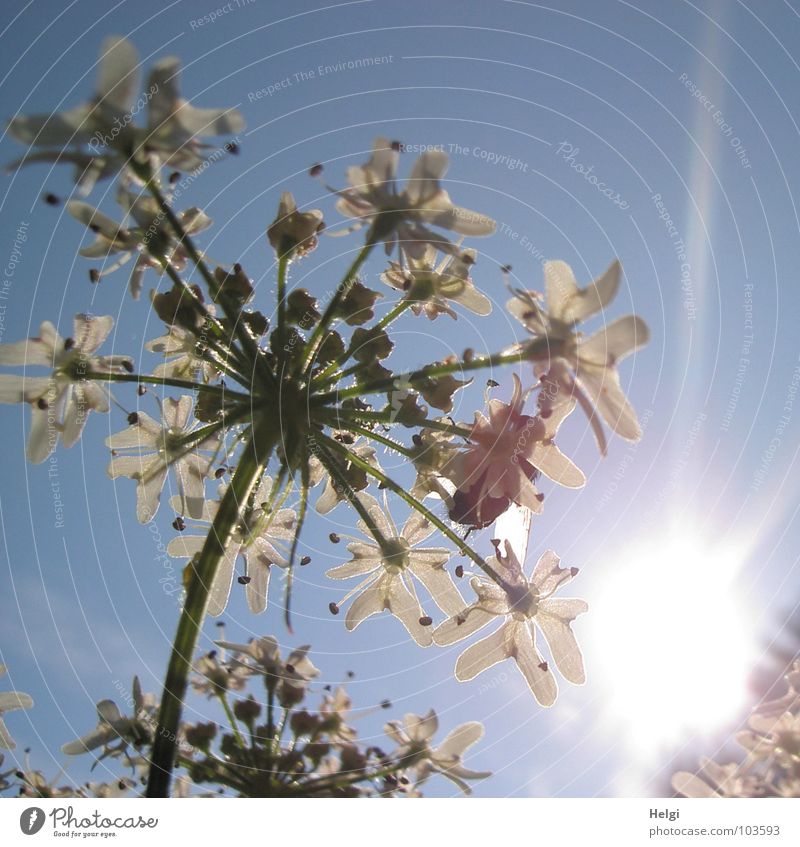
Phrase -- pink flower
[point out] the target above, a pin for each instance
(506, 453)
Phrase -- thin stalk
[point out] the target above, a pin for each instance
(377, 386)
(345, 416)
(321, 328)
(248, 342)
(283, 265)
(335, 471)
(328, 375)
(387, 442)
(223, 698)
(186, 384)
(203, 571)
(415, 504)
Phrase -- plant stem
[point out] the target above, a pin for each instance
(415, 504)
(377, 386)
(328, 315)
(203, 571)
(283, 265)
(223, 698)
(186, 384)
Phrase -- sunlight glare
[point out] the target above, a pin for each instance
(674, 640)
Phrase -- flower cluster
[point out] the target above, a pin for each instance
(273, 406)
(275, 744)
(770, 766)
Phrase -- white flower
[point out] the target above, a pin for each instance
(258, 538)
(114, 726)
(406, 215)
(579, 366)
(288, 679)
(150, 448)
(429, 286)
(175, 127)
(78, 135)
(181, 358)
(413, 739)
(392, 567)
(10, 701)
(61, 402)
(101, 137)
(527, 604)
(149, 236)
(504, 455)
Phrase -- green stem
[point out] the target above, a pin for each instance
(415, 504)
(223, 698)
(394, 313)
(335, 471)
(328, 375)
(186, 384)
(283, 265)
(377, 386)
(328, 315)
(344, 416)
(232, 312)
(388, 442)
(203, 571)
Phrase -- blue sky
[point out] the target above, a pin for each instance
(682, 111)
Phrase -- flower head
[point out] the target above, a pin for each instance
(101, 137)
(406, 216)
(260, 538)
(61, 402)
(389, 569)
(506, 452)
(429, 286)
(288, 678)
(149, 236)
(413, 738)
(146, 450)
(584, 368)
(524, 604)
(113, 726)
(10, 701)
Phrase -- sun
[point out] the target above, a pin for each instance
(673, 640)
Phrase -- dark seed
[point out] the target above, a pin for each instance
(51, 199)
(315, 170)
(334, 538)
(334, 609)
(243, 580)
(459, 571)
(133, 418)
(425, 621)
(306, 560)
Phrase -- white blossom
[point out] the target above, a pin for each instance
(523, 606)
(10, 701)
(585, 368)
(413, 738)
(405, 216)
(260, 539)
(390, 568)
(61, 402)
(429, 286)
(147, 449)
